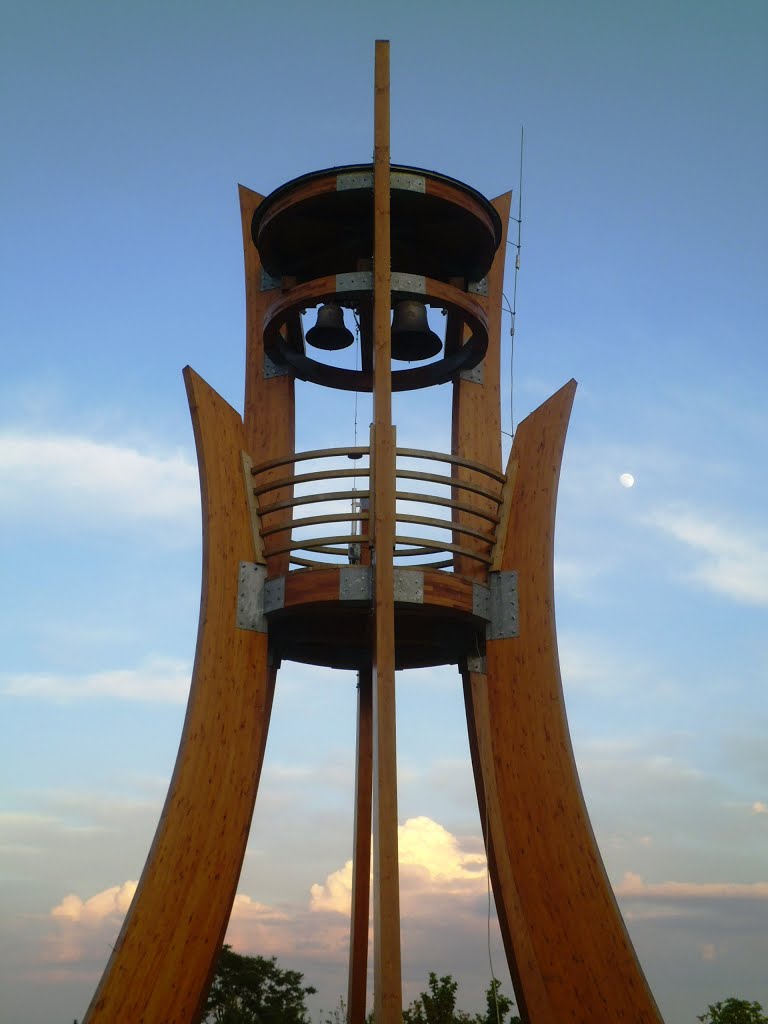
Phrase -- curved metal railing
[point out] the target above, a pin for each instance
(463, 503)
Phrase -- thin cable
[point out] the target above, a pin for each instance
(494, 985)
(513, 309)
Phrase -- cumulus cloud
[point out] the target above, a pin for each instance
(432, 862)
(113, 902)
(732, 561)
(156, 679)
(96, 483)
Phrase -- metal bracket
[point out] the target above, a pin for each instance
(250, 597)
(481, 601)
(478, 287)
(416, 284)
(273, 369)
(354, 281)
(409, 586)
(476, 663)
(355, 583)
(359, 179)
(274, 595)
(408, 182)
(269, 283)
(505, 616)
(474, 376)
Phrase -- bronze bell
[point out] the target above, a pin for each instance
(412, 338)
(329, 331)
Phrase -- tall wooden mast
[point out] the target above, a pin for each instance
(386, 885)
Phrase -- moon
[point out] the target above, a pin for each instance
(627, 480)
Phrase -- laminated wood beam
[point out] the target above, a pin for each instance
(572, 958)
(164, 957)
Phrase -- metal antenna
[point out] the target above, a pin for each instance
(513, 310)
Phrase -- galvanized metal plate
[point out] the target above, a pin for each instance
(355, 583)
(505, 615)
(274, 595)
(357, 179)
(268, 283)
(356, 281)
(478, 287)
(474, 376)
(408, 182)
(481, 601)
(415, 283)
(250, 597)
(409, 586)
(273, 369)
(476, 663)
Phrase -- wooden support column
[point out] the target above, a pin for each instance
(164, 957)
(269, 390)
(476, 420)
(361, 857)
(388, 999)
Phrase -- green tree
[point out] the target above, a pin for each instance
(734, 1011)
(254, 990)
(497, 1006)
(438, 1005)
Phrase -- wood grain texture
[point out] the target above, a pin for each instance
(361, 859)
(269, 401)
(573, 959)
(388, 998)
(162, 962)
(476, 419)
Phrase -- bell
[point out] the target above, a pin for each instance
(329, 332)
(412, 338)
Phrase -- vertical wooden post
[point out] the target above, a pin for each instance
(361, 857)
(388, 999)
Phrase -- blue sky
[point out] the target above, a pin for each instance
(126, 130)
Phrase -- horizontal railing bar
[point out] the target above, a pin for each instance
(318, 453)
(318, 542)
(437, 546)
(446, 524)
(455, 460)
(310, 499)
(338, 517)
(448, 481)
(315, 563)
(302, 478)
(435, 499)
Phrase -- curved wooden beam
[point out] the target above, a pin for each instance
(570, 954)
(163, 959)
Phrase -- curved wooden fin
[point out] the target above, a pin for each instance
(163, 959)
(570, 954)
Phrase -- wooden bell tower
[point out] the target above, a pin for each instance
(445, 558)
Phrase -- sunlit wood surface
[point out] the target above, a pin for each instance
(163, 958)
(476, 419)
(572, 958)
(269, 416)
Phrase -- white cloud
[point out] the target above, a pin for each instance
(432, 860)
(759, 807)
(96, 483)
(164, 680)
(113, 902)
(633, 886)
(733, 562)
